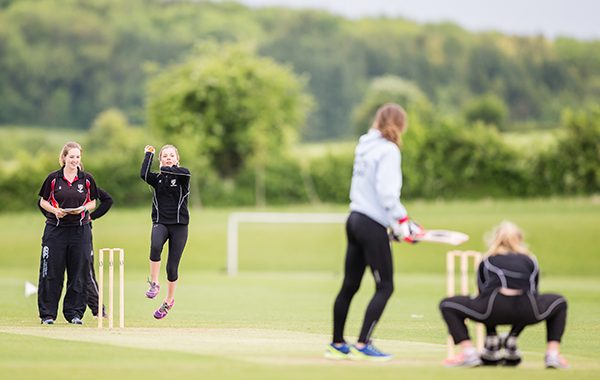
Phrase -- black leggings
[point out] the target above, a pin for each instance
(497, 309)
(368, 244)
(177, 235)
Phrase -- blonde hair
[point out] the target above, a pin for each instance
(65, 150)
(506, 238)
(167, 147)
(392, 121)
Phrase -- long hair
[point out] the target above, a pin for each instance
(392, 121)
(507, 238)
(65, 150)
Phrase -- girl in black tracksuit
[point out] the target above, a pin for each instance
(508, 281)
(67, 196)
(170, 218)
(106, 203)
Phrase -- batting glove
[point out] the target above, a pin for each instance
(407, 230)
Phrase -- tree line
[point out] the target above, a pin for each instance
(63, 62)
(235, 116)
(445, 162)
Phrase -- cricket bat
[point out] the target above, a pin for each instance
(443, 236)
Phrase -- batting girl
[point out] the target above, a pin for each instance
(67, 196)
(375, 206)
(170, 218)
(508, 282)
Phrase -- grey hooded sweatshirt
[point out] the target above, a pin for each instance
(377, 179)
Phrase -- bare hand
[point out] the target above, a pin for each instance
(59, 212)
(149, 148)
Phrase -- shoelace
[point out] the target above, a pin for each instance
(153, 285)
(165, 307)
(372, 348)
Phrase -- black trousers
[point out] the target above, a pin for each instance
(368, 245)
(177, 235)
(64, 248)
(92, 287)
(497, 309)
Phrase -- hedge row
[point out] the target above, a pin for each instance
(446, 161)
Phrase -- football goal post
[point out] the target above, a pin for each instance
(236, 218)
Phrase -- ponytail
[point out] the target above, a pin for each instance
(392, 121)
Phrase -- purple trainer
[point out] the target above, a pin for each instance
(163, 310)
(153, 290)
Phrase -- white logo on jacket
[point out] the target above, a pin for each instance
(173, 182)
(80, 188)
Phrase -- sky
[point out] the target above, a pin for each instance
(552, 18)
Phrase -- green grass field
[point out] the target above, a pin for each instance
(273, 320)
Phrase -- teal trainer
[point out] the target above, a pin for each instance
(368, 352)
(337, 352)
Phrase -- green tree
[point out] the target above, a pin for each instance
(64, 61)
(113, 154)
(474, 162)
(110, 130)
(489, 109)
(388, 89)
(228, 108)
(57, 54)
(317, 44)
(573, 166)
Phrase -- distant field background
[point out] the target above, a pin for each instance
(562, 232)
(274, 319)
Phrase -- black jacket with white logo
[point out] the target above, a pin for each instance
(171, 191)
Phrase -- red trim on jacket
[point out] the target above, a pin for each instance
(51, 199)
(70, 182)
